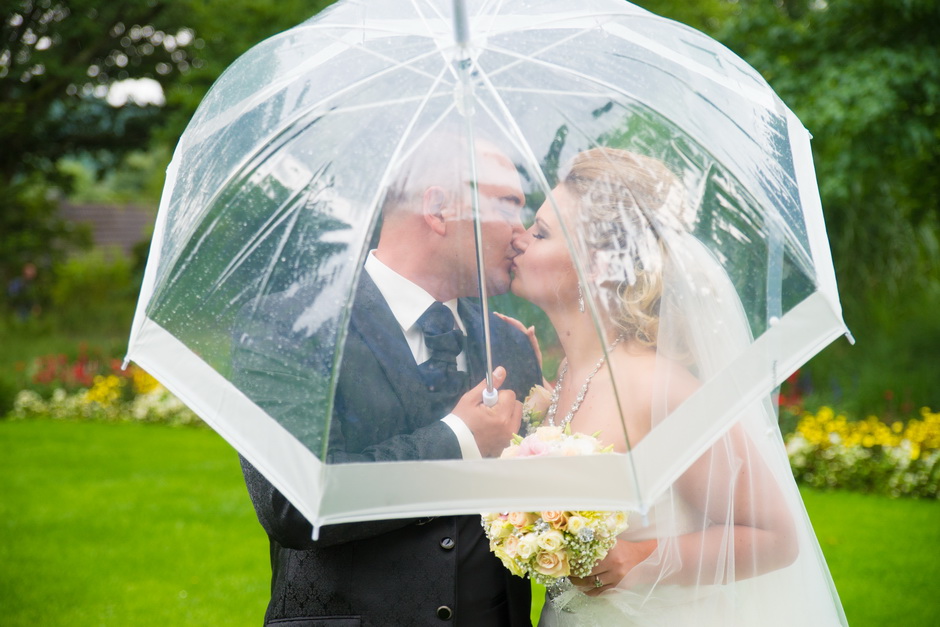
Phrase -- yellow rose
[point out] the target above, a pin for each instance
(552, 564)
(617, 522)
(551, 540)
(536, 404)
(509, 563)
(499, 528)
(576, 523)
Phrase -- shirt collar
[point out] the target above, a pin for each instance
(406, 299)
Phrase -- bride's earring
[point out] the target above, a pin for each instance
(580, 298)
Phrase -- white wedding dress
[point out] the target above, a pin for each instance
(744, 482)
(799, 595)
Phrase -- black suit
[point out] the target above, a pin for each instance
(393, 572)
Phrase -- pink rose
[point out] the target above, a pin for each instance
(558, 520)
(521, 519)
(532, 447)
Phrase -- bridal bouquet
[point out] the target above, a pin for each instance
(548, 546)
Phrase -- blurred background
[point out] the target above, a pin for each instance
(94, 96)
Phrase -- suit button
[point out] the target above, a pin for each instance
(448, 543)
(445, 613)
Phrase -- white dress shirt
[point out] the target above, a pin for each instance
(408, 302)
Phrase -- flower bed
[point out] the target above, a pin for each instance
(90, 387)
(828, 450)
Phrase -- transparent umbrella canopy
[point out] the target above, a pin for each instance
(274, 199)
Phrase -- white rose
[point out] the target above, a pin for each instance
(528, 546)
(551, 540)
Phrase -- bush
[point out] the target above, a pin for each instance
(97, 288)
(8, 392)
(895, 458)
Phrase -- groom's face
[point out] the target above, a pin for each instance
(500, 210)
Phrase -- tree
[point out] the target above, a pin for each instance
(863, 76)
(58, 61)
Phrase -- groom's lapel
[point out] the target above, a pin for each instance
(376, 325)
(470, 314)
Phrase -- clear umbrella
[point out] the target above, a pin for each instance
(274, 199)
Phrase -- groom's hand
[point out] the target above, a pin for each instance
(492, 427)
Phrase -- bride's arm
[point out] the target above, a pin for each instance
(733, 488)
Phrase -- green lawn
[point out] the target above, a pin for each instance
(126, 524)
(884, 556)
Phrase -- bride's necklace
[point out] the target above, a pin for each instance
(556, 393)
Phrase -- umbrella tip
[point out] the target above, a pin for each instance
(850, 337)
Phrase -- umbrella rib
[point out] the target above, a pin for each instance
(543, 182)
(340, 46)
(380, 190)
(305, 112)
(616, 90)
(288, 208)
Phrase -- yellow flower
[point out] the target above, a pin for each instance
(143, 382)
(106, 390)
(576, 524)
(509, 563)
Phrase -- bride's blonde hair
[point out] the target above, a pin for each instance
(627, 204)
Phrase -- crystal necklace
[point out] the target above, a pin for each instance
(553, 407)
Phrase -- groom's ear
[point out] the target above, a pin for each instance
(433, 206)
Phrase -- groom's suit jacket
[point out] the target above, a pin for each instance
(434, 571)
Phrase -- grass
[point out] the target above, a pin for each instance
(126, 524)
(884, 556)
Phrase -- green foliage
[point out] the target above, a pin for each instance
(8, 392)
(702, 14)
(58, 60)
(862, 76)
(31, 233)
(137, 178)
(56, 64)
(94, 288)
(891, 368)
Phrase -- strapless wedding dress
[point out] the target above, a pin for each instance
(792, 596)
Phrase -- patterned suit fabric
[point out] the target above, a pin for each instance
(392, 572)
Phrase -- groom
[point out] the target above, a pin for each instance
(413, 350)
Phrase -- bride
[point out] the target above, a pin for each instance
(729, 542)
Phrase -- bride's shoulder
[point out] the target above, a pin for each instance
(646, 370)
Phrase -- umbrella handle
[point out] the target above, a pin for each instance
(490, 396)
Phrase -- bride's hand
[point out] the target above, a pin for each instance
(616, 567)
(529, 332)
